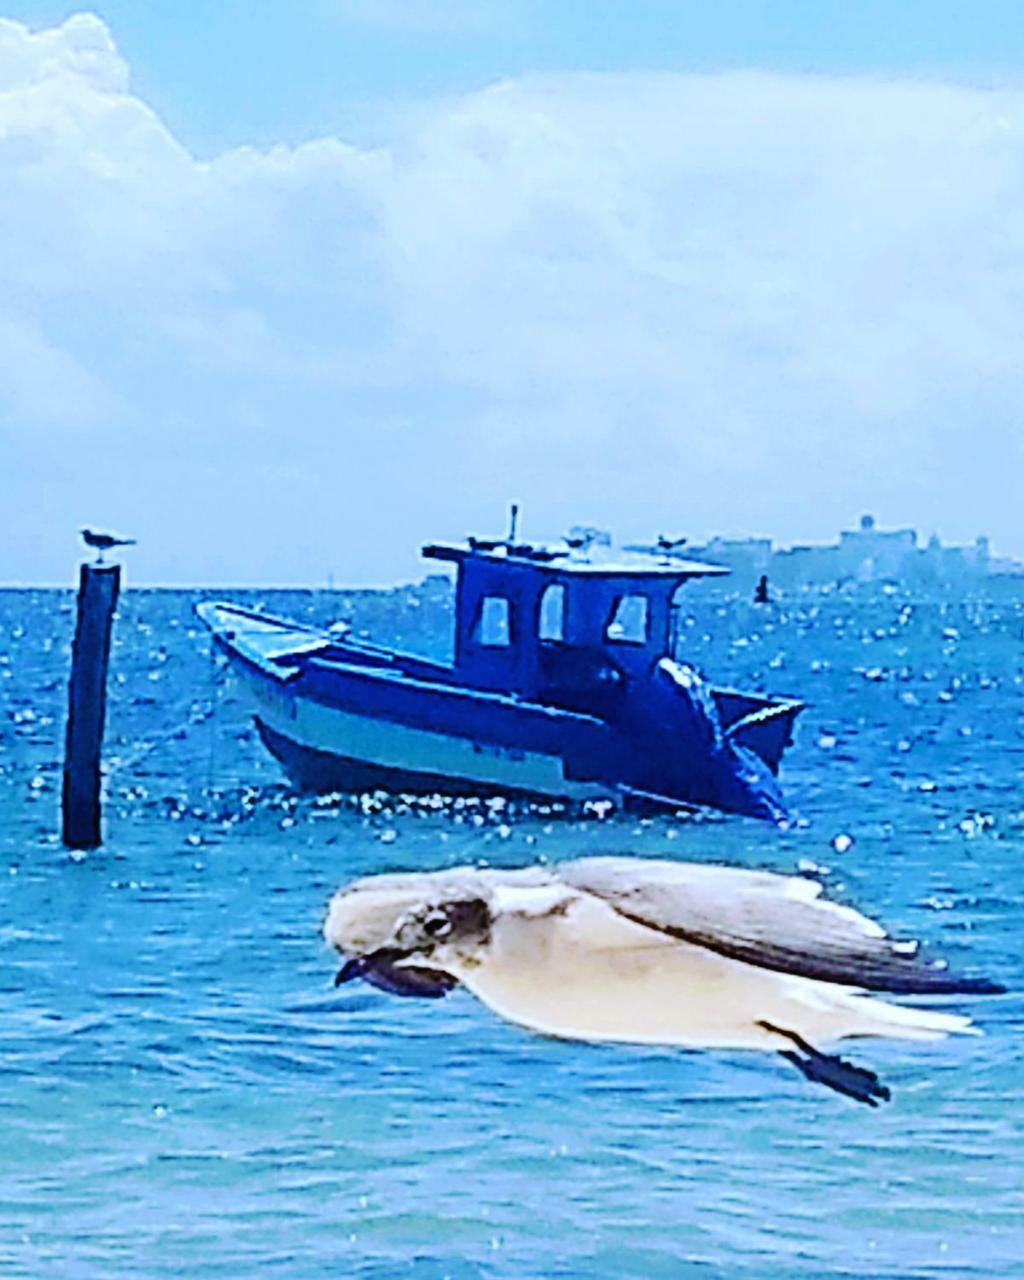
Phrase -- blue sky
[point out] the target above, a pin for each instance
(288, 289)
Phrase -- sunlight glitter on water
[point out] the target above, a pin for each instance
(185, 1093)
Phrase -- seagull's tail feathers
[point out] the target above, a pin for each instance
(826, 1014)
(853, 1016)
(901, 1022)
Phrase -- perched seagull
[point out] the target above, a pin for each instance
(101, 542)
(649, 952)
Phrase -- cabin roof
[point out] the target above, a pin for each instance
(565, 564)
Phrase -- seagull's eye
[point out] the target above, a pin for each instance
(437, 925)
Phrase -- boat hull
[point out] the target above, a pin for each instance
(332, 747)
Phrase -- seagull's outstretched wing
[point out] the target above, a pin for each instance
(773, 921)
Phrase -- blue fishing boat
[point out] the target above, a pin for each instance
(565, 684)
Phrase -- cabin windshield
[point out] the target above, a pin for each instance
(679, 617)
(551, 622)
(493, 629)
(629, 620)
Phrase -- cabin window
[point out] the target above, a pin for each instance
(492, 626)
(628, 624)
(551, 624)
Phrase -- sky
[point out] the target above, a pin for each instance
(288, 289)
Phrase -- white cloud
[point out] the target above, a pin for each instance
(727, 301)
(82, 48)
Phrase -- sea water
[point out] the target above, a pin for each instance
(183, 1093)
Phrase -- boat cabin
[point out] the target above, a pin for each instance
(553, 626)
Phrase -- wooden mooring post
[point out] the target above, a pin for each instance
(98, 588)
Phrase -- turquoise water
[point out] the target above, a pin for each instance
(183, 1093)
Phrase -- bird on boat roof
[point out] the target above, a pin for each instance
(101, 542)
(670, 544)
(650, 952)
(583, 537)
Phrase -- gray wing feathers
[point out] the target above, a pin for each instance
(775, 922)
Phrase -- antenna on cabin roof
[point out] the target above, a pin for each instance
(513, 523)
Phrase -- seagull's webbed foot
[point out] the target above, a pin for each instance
(830, 1070)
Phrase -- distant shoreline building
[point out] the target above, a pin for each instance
(862, 555)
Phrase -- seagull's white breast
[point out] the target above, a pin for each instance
(585, 972)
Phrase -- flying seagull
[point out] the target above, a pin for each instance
(101, 542)
(650, 952)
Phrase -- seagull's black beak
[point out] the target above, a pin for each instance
(352, 969)
(381, 969)
(384, 959)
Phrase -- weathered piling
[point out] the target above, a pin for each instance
(98, 587)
